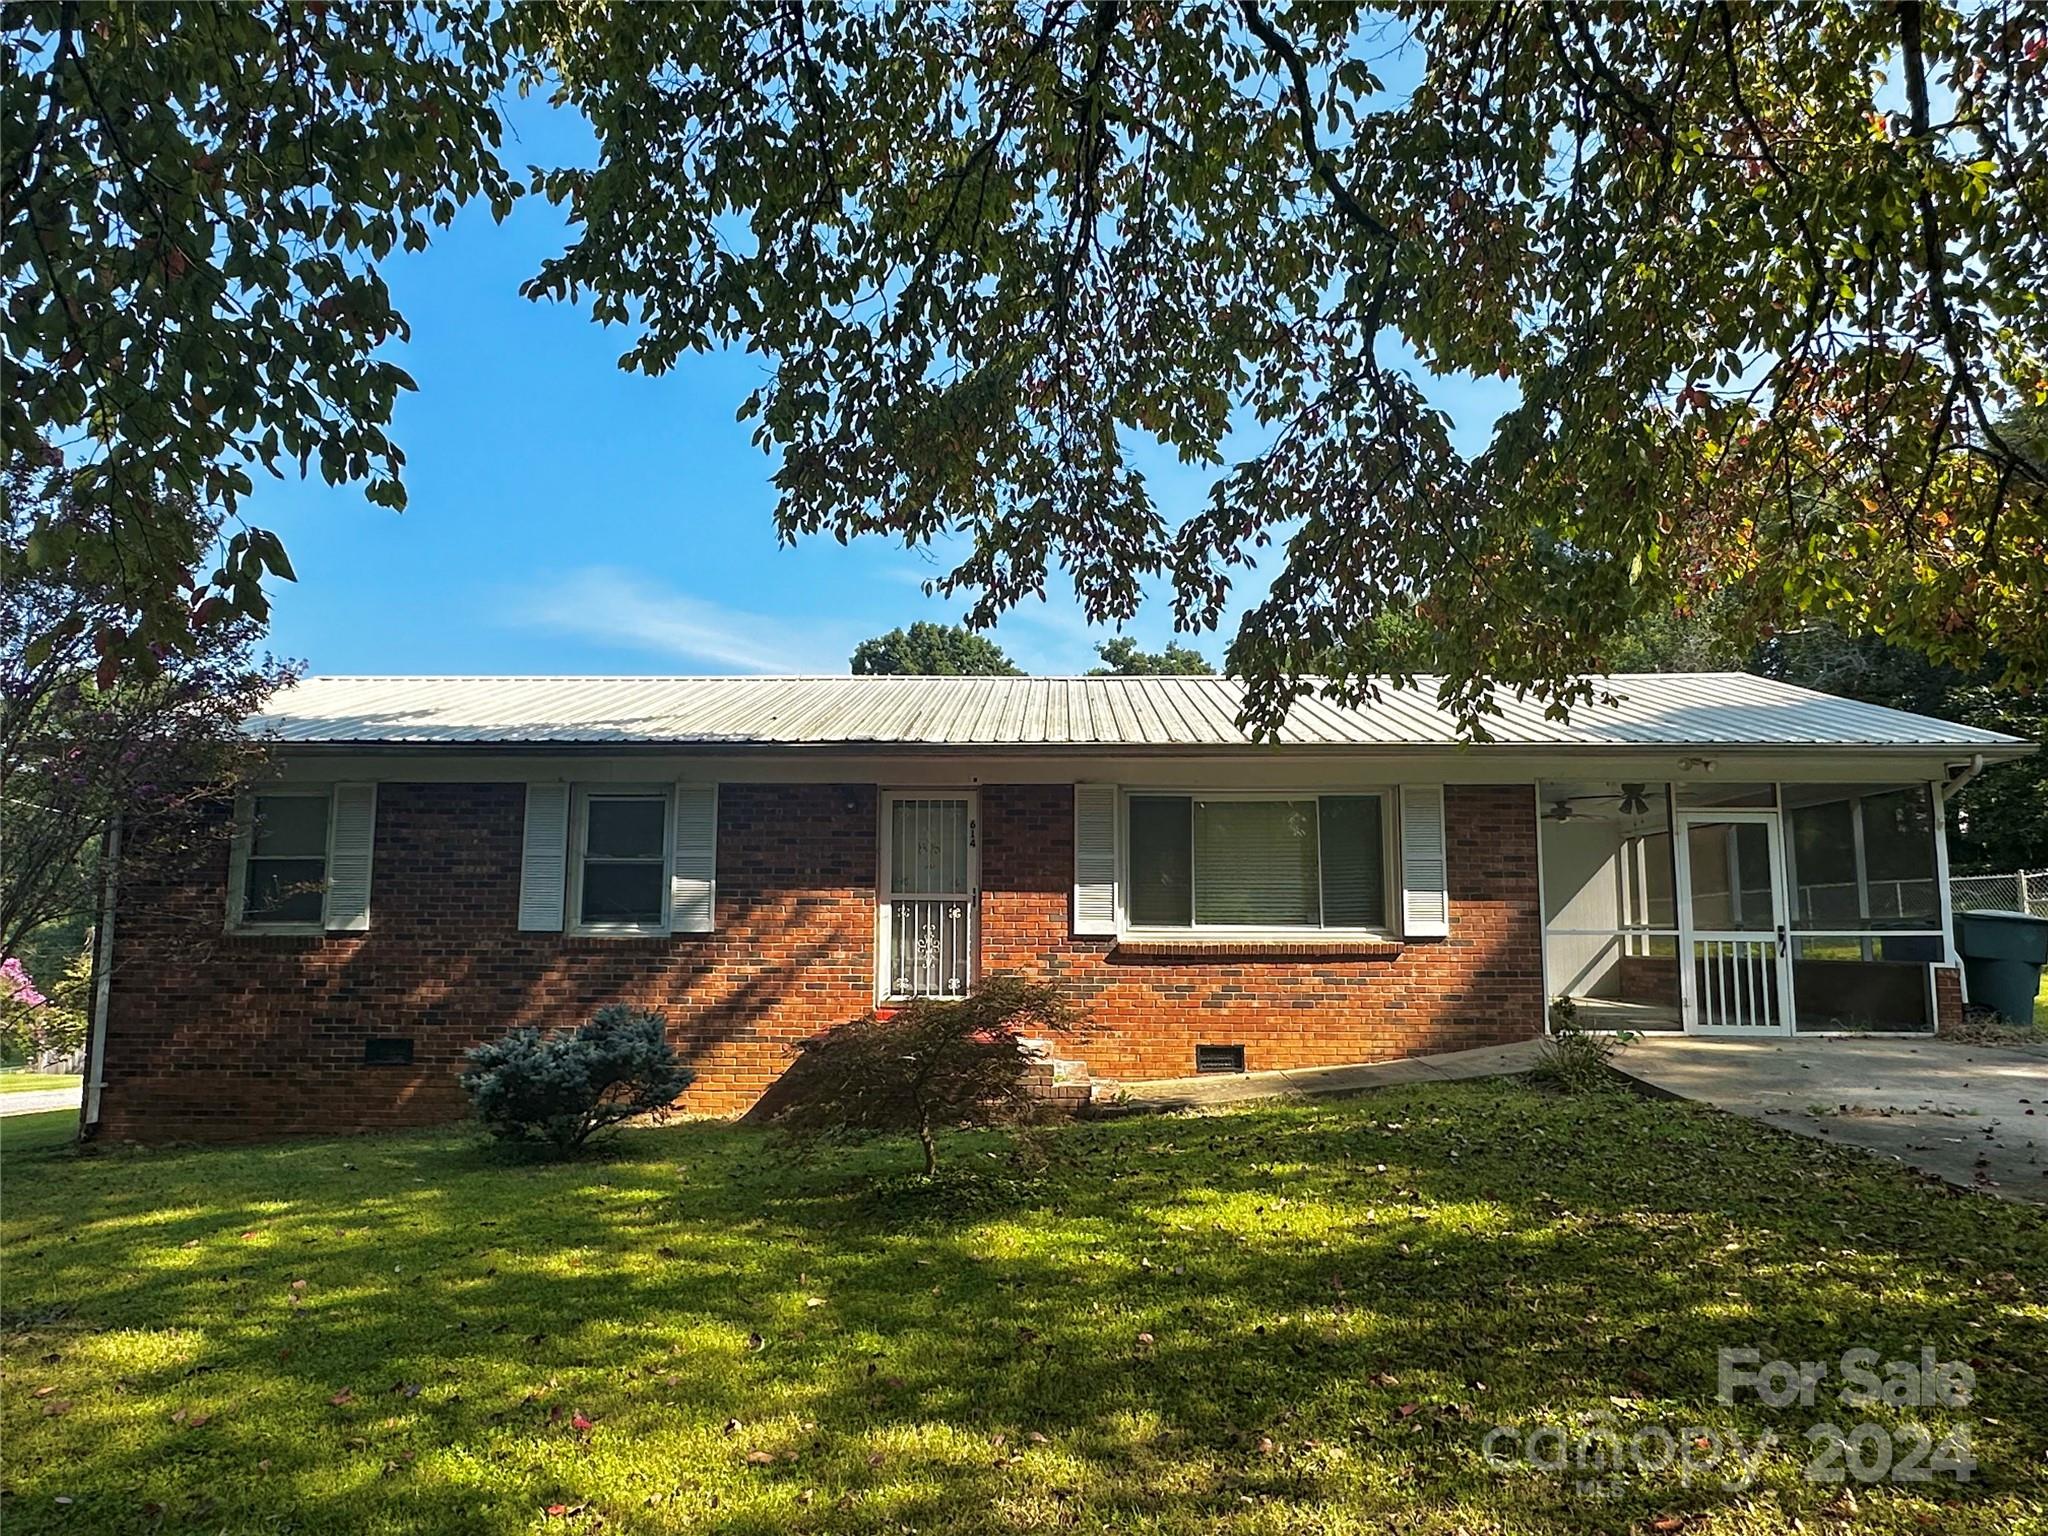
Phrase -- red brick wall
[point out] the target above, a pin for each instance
(1948, 998)
(218, 1036)
(1481, 986)
(259, 1035)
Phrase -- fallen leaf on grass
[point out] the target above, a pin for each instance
(342, 1398)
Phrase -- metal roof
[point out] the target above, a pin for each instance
(1655, 710)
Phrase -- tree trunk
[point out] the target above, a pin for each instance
(930, 1145)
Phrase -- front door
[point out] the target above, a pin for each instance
(1737, 971)
(930, 887)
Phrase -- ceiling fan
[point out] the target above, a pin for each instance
(1632, 801)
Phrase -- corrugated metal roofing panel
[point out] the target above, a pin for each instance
(1719, 709)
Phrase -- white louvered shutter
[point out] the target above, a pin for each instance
(1095, 859)
(350, 844)
(693, 877)
(544, 860)
(1425, 892)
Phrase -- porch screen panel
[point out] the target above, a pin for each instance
(1610, 905)
(1256, 863)
(1866, 904)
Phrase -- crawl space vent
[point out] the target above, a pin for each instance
(387, 1051)
(1219, 1058)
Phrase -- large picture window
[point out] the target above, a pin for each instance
(622, 865)
(1256, 862)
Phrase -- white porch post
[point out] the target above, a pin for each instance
(1948, 917)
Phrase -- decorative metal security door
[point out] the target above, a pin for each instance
(1737, 970)
(930, 892)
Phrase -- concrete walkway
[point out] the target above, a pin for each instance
(39, 1101)
(1310, 1082)
(1976, 1116)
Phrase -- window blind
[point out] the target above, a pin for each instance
(1255, 863)
(1354, 887)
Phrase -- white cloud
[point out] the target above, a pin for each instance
(605, 604)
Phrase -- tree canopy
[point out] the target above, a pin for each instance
(2002, 817)
(198, 198)
(1122, 658)
(80, 746)
(1760, 286)
(1764, 281)
(933, 650)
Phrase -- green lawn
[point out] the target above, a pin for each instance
(1299, 1319)
(14, 1080)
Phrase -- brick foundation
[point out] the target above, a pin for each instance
(213, 1036)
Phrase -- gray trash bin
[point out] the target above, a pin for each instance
(2003, 953)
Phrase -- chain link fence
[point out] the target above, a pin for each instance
(2024, 890)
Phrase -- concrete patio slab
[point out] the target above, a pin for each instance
(1311, 1082)
(1976, 1116)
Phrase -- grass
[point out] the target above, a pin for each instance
(1296, 1319)
(15, 1080)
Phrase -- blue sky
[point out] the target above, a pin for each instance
(568, 517)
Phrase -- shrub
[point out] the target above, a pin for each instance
(1573, 1060)
(562, 1088)
(928, 1064)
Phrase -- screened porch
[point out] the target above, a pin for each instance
(1742, 908)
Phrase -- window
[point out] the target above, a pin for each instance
(1256, 861)
(284, 880)
(622, 871)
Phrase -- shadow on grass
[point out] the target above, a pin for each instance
(1288, 1315)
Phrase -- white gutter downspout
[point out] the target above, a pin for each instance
(1961, 781)
(102, 981)
(1947, 791)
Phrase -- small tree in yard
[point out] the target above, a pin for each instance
(928, 1064)
(565, 1087)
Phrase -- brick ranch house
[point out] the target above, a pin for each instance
(437, 860)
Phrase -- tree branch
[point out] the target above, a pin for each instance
(1305, 113)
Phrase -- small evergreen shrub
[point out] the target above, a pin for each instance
(562, 1088)
(1572, 1060)
(928, 1064)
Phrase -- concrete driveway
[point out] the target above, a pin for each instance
(1973, 1115)
(39, 1101)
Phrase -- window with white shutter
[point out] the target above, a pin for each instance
(1425, 886)
(350, 846)
(544, 858)
(1255, 862)
(278, 865)
(693, 880)
(1095, 859)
